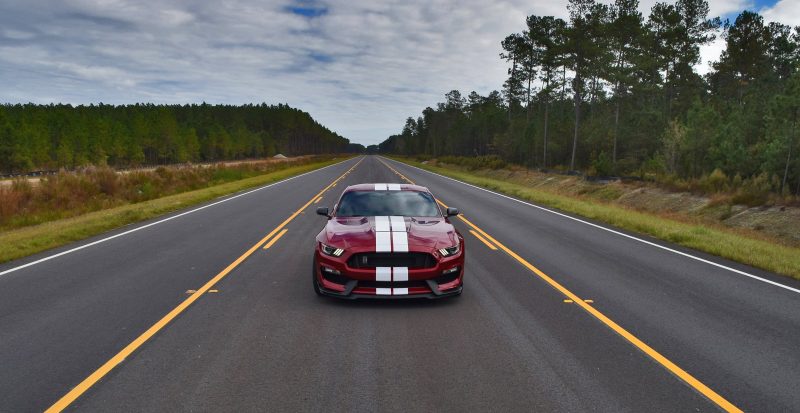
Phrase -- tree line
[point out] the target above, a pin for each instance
(35, 137)
(611, 92)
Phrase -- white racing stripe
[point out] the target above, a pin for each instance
(383, 242)
(391, 274)
(390, 234)
(398, 223)
(382, 224)
(400, 273)
(387, 187)
(399, 242)
(383, 274)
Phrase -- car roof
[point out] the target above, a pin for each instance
(386, 187)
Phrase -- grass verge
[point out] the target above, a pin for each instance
(762, 254)
(30, 240)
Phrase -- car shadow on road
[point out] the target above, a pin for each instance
(401, 304)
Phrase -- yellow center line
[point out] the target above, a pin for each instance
(318, 199)
(655, 355)
(483, 240)
(98, 374)
(274, 240)
(652, 353)
(268, 236)
(396, 172)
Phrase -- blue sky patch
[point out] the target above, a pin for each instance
(321, 57)
(759, 4)
(308, 11)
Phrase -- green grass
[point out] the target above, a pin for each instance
(30, 240)
(759, 253)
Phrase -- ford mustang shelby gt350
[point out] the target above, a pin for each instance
(388, 241)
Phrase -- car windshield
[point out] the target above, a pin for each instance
(379, 203)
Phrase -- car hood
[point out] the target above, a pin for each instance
(423, 233)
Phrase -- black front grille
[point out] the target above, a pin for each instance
(392, 259)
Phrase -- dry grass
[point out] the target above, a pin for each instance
(70, 194)
(29, 240)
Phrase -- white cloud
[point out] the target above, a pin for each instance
(710, 53)
(727, 7)
(784, 11)
(359, 67)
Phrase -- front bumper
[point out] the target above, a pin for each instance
(432, 294)
(354, 283)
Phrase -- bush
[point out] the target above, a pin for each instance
(753, 191)
(106, 180)
(10, 201)
(714, 183)
(602, 166)
(476, 162)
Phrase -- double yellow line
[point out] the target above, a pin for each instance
(483, 240)
(274, 240)
(98, 374)
(652, 353)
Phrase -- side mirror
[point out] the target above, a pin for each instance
(323, 211)
(451, 212)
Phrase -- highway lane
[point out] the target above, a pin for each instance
(61, 319)
(737, 335)
(265, 341)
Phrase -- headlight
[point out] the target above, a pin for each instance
(446, 252)
(332, 251)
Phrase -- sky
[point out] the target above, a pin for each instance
(359, 67)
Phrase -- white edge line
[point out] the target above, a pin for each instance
(69, 251)
(746, 274)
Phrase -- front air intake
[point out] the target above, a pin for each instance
(392, 259)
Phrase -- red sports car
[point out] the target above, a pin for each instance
(388, 241)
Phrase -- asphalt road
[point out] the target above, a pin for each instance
(258, 339)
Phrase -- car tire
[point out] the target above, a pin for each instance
(314, 277)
